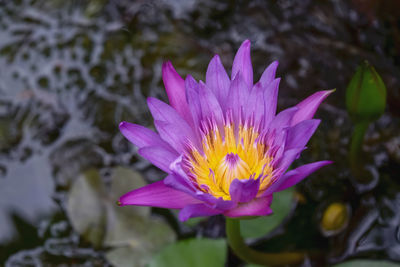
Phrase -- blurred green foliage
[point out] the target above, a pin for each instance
(192, 252)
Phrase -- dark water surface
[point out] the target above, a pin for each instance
(70, 71)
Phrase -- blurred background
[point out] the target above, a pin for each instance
(70, 71)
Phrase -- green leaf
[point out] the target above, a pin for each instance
(85, 209)
(127, 257)
(369, 263)
(124, 180)
(129, 231)
(281, 205)
(193, 253)
(366, 94)
(136, 231)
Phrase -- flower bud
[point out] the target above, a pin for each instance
(334, 218)
(366, 94)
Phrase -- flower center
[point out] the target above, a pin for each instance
(230, 167)
(227, 155)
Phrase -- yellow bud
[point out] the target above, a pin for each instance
(335, 218)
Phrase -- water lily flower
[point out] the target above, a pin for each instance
(223, 146)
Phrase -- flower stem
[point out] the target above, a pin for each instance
(250, 255)
(356, 147)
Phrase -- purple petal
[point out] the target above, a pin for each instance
(279, 143)
(288, 157)
(163, 112)
(270, 101)
(175, 88)
(269, 74)
(218, 80)
(179, 179)
(141, 136)
(237, 96)
(221, 204)
(160, 157)
(309, 106)
(243, 190)
(197, 210)
(255, 104)
(283, 119)
(242, 63)
(173, 135)
(295, 176)
(192, 95)
(209, 104)
(180, 183)
(299, 134)
(158, 195)
(257, 207)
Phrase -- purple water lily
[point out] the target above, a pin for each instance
(223, 146)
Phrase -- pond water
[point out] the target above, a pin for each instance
(70, 71)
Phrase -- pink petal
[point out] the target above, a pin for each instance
(309, 106)
(157, 195)
(257, 207)
(293, 177)
(175, 88)
(242, 63)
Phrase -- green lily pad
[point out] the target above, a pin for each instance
(124, 180)
(369, 263)
(85, 209)
(136, 231)
(128, 257)
(281, 205)
(193, 253)
(129, 231)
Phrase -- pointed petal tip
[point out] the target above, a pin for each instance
(167, 64)
(246, 43)
(150, 100)
(122, 124)
(119, 203)
(326, 93)
(216, 57)
(274, 64)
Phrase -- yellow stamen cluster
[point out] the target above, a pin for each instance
(225, 158)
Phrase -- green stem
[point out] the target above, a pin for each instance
(250, 255)
(357, 140)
